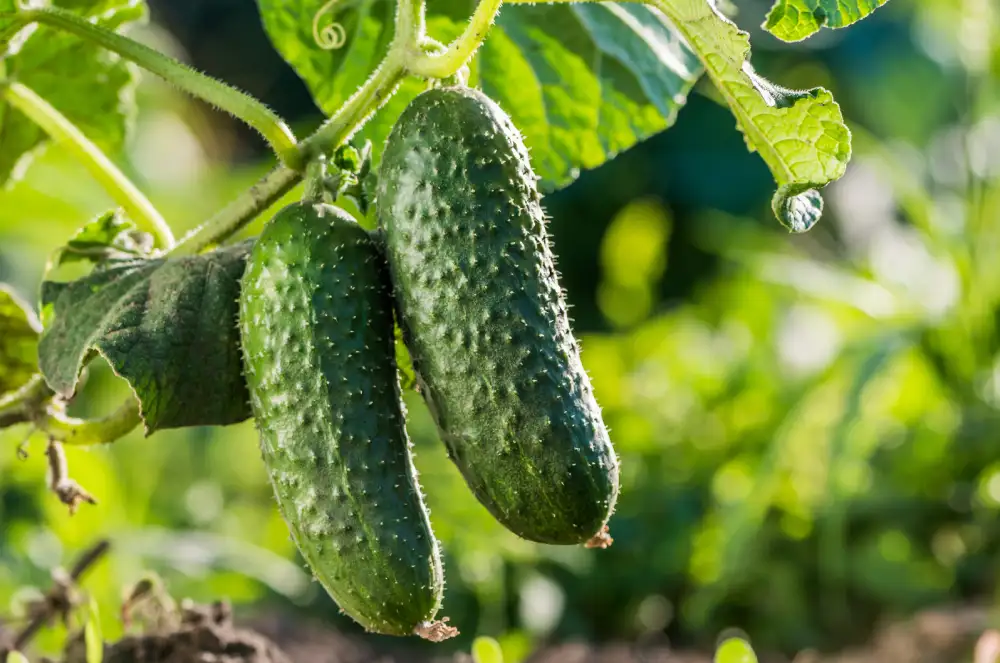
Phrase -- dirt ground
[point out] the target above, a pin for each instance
(208, 635)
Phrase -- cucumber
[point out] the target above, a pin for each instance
(484, 318)
(316, 322)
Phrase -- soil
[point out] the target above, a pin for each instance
(207, 634)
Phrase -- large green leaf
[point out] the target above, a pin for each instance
(794, 20)
(585, 81)
(801, 135)
(19, 329)
(88, 85)
(581, 82)
(168, 326)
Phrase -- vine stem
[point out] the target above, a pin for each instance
(33, 404)
(332, 134)
(406, 56)
(460, 51)
(88, 432)
(233, 101)
(23, 405)
(66, 134)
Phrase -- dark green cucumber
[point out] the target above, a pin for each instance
(316, 320)
(485, 321)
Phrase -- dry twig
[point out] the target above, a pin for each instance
(66, 489)
(59, 600)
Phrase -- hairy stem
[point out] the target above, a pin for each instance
(88, 432)
(237, 214)
(280, 181)
(356, 110)
(459, 52)
(35, 404)
(65, 133)
(379, 87)
(410, 25)
(24, 405)
(241, 105)
(316, 174)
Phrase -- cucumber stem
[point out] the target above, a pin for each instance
(278, 182)
(236, 215)
(33, 404)
(88, 432)
(315, 180)
(23, 405)
(461, 50)
(66, 134)
(375, 91)
(240, 105)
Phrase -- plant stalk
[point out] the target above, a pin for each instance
(240, 105)
(88, 432)
(23, 405)
(460, 51)
(334, 132)
(66, 134)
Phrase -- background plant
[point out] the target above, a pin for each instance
(800, 413)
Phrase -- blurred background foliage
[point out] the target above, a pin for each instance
(808, 425)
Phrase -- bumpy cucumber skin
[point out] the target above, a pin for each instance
(316, 320)
(484, 318)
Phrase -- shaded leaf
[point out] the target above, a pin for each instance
(19, 330)
(794, 20)
(168, 326)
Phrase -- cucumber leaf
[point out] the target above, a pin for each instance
(795, 20)
(582, 82)
(108, 237)
(800, 135)
(167, 326)
(19, 330)
(90, 86)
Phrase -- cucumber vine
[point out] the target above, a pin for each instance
(405, 56)
(332, 36)
(800, 135)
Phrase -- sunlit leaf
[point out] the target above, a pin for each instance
(582, 82)
(794, 20)
(87, 84)
(800, 135)
(19, 330)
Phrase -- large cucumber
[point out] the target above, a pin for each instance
(316, 320)
(484, 318)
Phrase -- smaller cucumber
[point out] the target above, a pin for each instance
(316, 319)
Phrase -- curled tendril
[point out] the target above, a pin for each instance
(332, 36)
